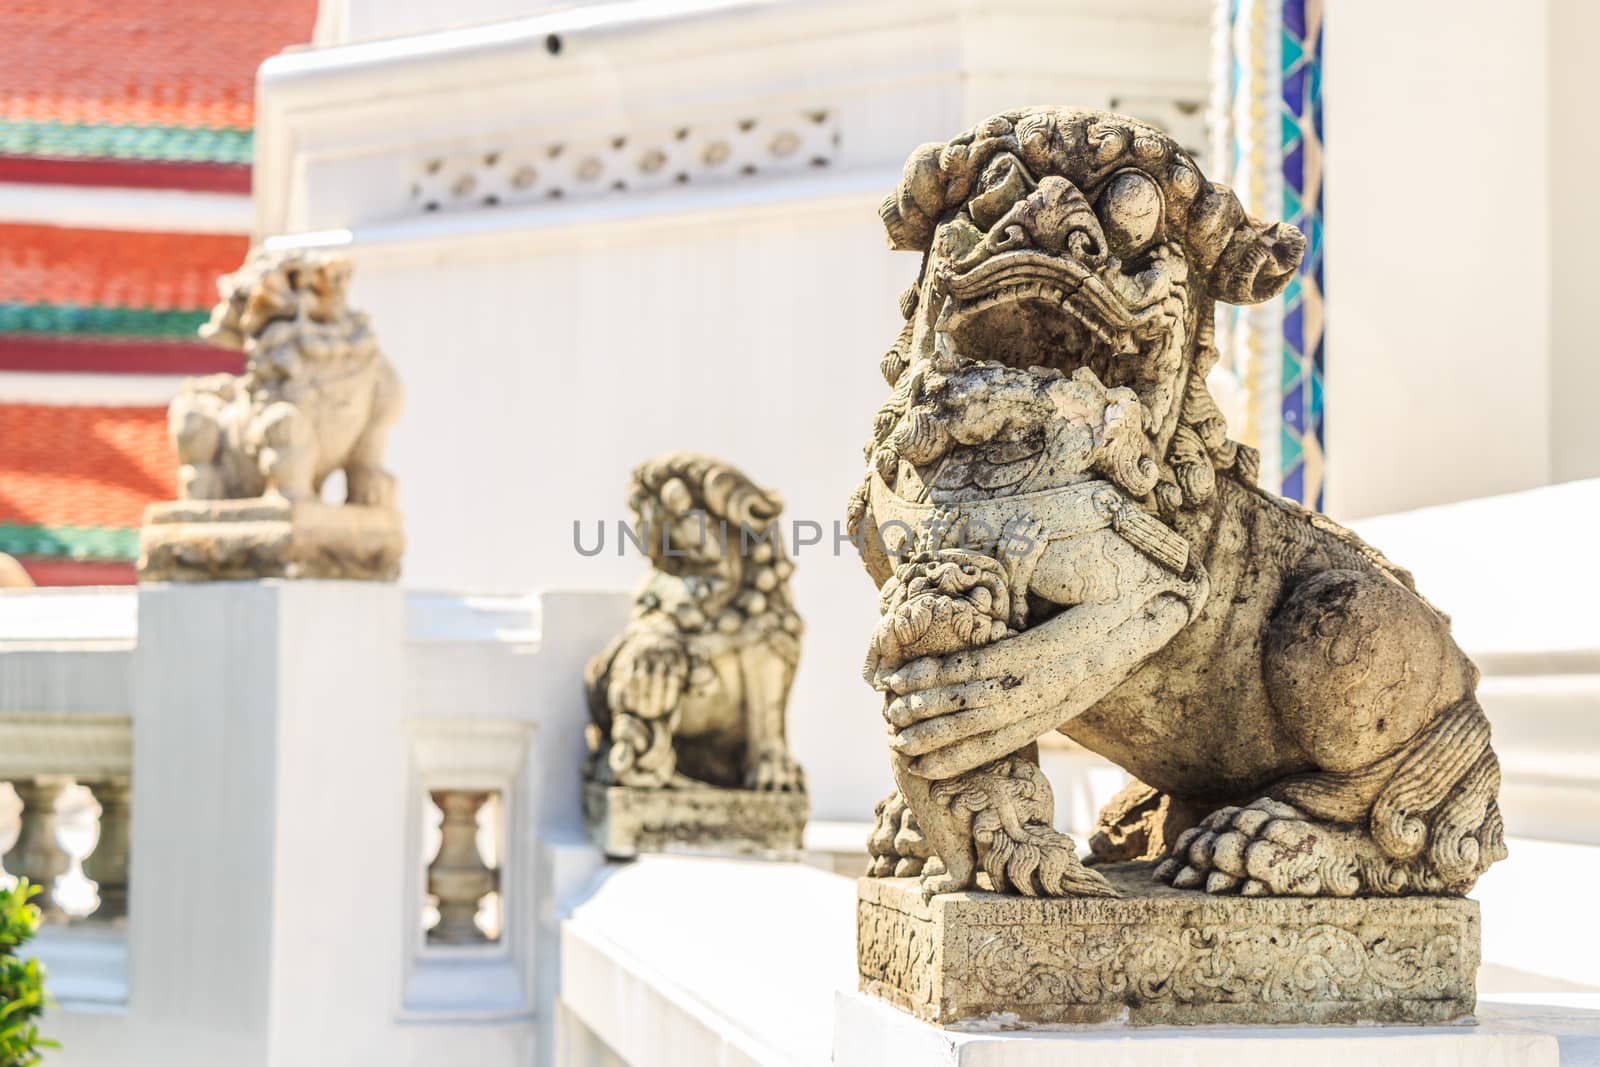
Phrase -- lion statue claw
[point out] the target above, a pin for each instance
(1065, 539)
(316, 395)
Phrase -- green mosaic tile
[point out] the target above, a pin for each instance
(1291, 292)
(1293, 51)
(1289, 129)
(1291, 368)
(1294, 211)
(1289, 449)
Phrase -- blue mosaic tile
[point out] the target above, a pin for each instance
(1294, 16)
(1294, 162)
(1294, 484)
(1294, 406)
(1294, 89)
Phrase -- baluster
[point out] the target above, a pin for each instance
(10, 827)
(77, 832)
(38, 856)
(107, 865)
(458, 877)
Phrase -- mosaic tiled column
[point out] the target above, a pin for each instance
(1267, 144)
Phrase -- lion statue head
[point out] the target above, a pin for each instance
(705, 521)
(304, 288)
(1066, 239)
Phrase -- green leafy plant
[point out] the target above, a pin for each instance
(22, 996)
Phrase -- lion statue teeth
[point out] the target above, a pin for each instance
(1067, 540)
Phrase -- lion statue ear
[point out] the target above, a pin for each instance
(1244, 260)
(910, 213)
(1258, 262)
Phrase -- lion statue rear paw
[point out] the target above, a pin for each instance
(1268, 848)
(896, 845)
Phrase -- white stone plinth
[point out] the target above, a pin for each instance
(870, 1033)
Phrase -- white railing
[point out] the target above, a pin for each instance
(66, 657)
(270, 814)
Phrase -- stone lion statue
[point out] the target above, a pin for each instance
(696, 687)
(316, 395)
(1065, 538)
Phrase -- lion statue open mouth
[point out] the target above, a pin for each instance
(1051, 464)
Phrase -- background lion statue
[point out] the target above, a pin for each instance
(696, 687)
(316, 395)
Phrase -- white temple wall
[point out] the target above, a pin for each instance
(1460, 272)
(1574, 234)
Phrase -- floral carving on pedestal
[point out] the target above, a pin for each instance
(1155, 956)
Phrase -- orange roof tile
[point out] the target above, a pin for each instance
(142, 62)
(83, 466)
(114, 268)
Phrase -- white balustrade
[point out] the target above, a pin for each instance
(66, 830)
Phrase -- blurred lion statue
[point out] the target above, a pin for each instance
(696, 687)
(316, 395)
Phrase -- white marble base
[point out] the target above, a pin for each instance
(869, 1033)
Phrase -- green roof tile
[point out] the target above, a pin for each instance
(24, 137)
(69, 542)
(99, 321)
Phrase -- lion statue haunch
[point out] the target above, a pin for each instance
(1065, 538)
(316, 395)
(696, 687)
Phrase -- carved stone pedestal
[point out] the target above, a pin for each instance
(1164, 956)
(694, 819)
(265, 537)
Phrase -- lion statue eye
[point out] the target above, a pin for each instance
(1131, 209)
(1004, 182)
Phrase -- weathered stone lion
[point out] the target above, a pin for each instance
(1073, 543)
(696, 687)
(316, 395)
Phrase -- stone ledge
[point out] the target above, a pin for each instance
(265, 537)
(1163, 956)
(870, 1033)
(695, 820)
